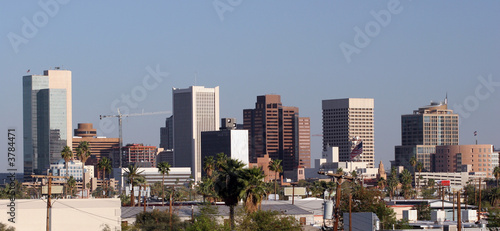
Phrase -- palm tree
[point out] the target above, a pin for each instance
(413, 162)
(496, 173)
(67, 155)
(420, 167)
(229, 186)
(209, 165)
(140, 181)
(104, 165)
(393, 182)
(163, 168)
(275, 166)
(83, 153)
(406, 183)
(71, 185)
(340, 171)
(132, 172)
(253, 188)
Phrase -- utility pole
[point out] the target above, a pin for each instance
(120, 116)
(339, 179)
(350, 213)
(442, 198)
(459, 218)
(479, 210)
(453, 202)
(49, 193)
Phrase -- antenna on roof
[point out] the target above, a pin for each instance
(446, 99)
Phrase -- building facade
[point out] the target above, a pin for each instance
(451, 158)
(195, 109)
(345, 119)
(47, 119)
(278, 131)
(167, 134)
(136, 154)
(423, 130)
(228, 140)
(99, 146)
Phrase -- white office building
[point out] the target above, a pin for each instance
(345, 119)
(195, 109)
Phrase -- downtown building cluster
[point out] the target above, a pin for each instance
(269, 131)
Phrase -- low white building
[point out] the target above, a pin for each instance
(66, 214)
(176, 176)
(74, 169)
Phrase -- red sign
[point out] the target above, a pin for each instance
(445, 183)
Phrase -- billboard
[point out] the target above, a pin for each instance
(299, 191)
(55, 189)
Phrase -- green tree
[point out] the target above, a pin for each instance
(413, 163)
(253, 188)
(229, 186)
(132, 172)
(354, 174)
(83, 153)
(157, 220)
(423, 212)
(406, 179)
(164, 169)
(419, 167)
(67, 155)
(206, 220)
(496, 173)
(275, 166)
(367, 200)
(206, 188)
(340, 171)
(71, 185)
(269, 221)
(209, 165)
(104, 164)
(393, 182)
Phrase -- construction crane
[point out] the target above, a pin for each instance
(120, 116)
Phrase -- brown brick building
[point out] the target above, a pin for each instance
(451, 158)
(278, 131)
(99, 147)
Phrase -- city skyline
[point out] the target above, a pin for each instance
(294, 50)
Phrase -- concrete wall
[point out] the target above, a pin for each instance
(67, 214)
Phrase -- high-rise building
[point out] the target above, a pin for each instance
(47, 119)
(136, 154)
(348, 119)
(99, 146)
(278, 131)
(195, 109)
(228, 140)
(167, 134)
(421, 131)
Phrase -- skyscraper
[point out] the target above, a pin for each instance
(47, 119)
(278, 131)
(167, 134)
(421, 131)
(345, 119)
(195, 109)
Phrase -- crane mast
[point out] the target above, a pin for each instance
(120, 116)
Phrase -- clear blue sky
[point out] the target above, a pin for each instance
(292, 48)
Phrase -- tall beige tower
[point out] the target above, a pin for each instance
(195, 109)
(47, 118)
(345, 119)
